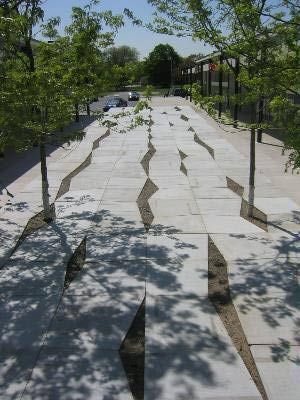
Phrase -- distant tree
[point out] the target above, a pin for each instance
(121, 55)
(127, 75)
(191, 58)
(160, 63)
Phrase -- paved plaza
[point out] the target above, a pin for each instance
(136, 320)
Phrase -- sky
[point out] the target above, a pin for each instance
(144, 41)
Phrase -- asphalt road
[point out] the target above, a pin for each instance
(98, 105)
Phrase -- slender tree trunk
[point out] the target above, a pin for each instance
(45, 185)
(252, 165)
(88, 109)
(76, 112)
(260, 119)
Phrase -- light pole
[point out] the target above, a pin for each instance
(171, 78)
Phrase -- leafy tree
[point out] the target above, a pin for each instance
(121, 55)
(40, 84)
(127, 75)
(159, 64)
(262, 34)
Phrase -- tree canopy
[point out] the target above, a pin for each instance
(40, 81)
(160, 62)
(262, 34)
(121, 55)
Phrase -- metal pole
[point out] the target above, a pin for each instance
(171, 83)
(191, 82)
(220, 85)
(236, 92)
(201, 78)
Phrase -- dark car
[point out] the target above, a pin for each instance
(114, 102)
(133, 96)
(178, 92)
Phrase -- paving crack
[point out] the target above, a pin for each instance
(147, 157)
(259, 218)
(219, 295)
(66, 182)
(132, 354)
(182, 166)
(34, 224)
(183, 117)
(203, 144)
(145, 210)
(75, 263)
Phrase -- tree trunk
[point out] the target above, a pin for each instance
(76, 112)
(48, 217)
(251, 174)
(88, 109)
(260, 119)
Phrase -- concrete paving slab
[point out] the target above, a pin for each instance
(207, 181)
(108, 223)
(205, 172)
(121, 194)
(122, 208)
(205, 374)
(115, 247)
(177, 247)
(79, 373)
(76, 211)
(81, 196)
(100, 320)
(279, 369)
(181, 193)
(276, 205)
(127, 182)
(276, 317)
(264, 276)
(17, 315)
(213, 193)
(109, 278)
(173, 207)
(164, 182)
(188, 278)
(229, 224)
(15, 370)
(254, 246)
(89, 283)
(265, 192)
(20, 278)
(217, 207)
(174, 322)
(178, 224)
(81, 183)
(57, 247)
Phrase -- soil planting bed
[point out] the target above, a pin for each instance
(132, 354)
(75, 263)
(219, 295)
(148, 190)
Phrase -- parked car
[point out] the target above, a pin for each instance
(133, 96)
(114, 102)
(177, 91)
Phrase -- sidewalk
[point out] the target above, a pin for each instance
(95, 306)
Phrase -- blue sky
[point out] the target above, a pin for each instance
(136, 37)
